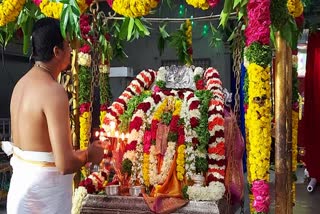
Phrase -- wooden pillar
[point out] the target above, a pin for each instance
(280, 127)
(289, 127)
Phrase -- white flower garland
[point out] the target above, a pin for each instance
(213, 192)
(84, 59)
(159, 178)
(79, 194)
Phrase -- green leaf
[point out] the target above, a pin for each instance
(75, 10)
(64, 21)
(162, 29)
(124, 28)
(130, 28)
(142, 27)
(236, 3)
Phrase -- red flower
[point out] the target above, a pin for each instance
(135, 123)
(131, 146)
(190, 51)
(144, 106)
(194, 122)
(84, 107)
(103, 107)
(194, 105)
(200, 84)
(85, 49)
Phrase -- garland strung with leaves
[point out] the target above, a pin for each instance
(258, 117)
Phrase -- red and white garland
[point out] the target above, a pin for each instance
(143, 81)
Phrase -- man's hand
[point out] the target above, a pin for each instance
(95, 152)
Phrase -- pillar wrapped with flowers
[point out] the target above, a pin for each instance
(258, 117)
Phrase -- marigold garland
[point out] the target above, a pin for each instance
(54, 9)
(203, 4)
(133, 8)
(295, 7)
(180, 162)
(295, 122)
(9, 10)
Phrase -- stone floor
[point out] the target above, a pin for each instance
(306, 203)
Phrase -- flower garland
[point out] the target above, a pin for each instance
(295, 123)
(258, 117)
(142, 81)
(133, 8)
(213, 192)
(85, 78)
(216, 150)
(295, 7)
(54, 9)
(188, 32)
(9, 10)
(203, 4)
(79, 194)
(170, 104)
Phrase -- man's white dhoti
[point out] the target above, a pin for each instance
(37, 186)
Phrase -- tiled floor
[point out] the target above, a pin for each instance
(306, 203)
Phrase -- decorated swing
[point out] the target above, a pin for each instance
(168, 130)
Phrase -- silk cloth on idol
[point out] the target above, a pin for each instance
(37, 186)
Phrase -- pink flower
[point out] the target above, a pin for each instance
(156, 89)
(37, 2)
(147, 141)
(260, 191)
(258, 28)
(213, 3)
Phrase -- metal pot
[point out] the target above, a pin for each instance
(136, 190)
(112, 190)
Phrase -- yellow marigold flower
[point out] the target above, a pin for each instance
(9, 10)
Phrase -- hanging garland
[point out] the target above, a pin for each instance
(258, 117)
(54, 9)
(9, 10)
(133, 8)
(203, 4)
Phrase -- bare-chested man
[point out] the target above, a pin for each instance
(43, 159)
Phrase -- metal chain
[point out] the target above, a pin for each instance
(95, 58)
(237, 57)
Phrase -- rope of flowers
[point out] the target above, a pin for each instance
(9, 10)
(54, 9)
(142, 81)
(203, 4)
(85, 78)
(258, 117)
(105, 91)
(189, 40)
(216, 150)
(133, 8)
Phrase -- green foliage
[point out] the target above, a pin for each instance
(202, 130)
(184, 192)
(216, 37)
(125, 118)
(201, 164)
(178, 41)
(69, 19)
(227, 8)
(166, 117)
(6, 34)
(27, 17)
(85, 84)
(173, 137)
(164, 36)
(279, 14)
(259, 54)
(105, 90)
(133, 28)
(161, 83)
(126, 166)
